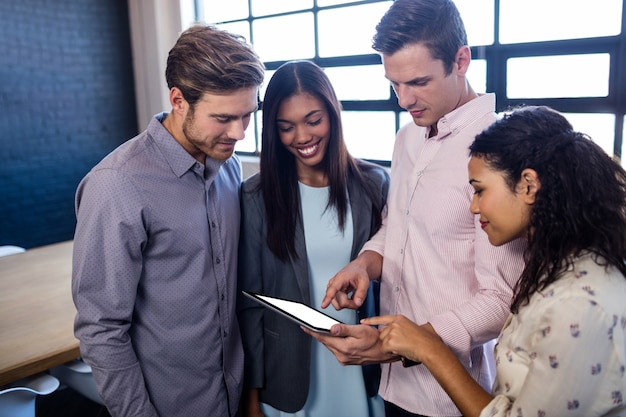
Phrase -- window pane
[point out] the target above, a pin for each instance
(259, 129)
(405, 118)
(541, 20)
(477, 75)
(335, 40)
(187, 13)
(478, 17)
(600, 127)
(558, 76)
(369, 134)
(268, 77)
(323, 3)
(349, 82)
(241, 27)
(221, 11)
(263, 8)
(248, 144)
(284, 37)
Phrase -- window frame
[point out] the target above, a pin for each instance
(496, 56)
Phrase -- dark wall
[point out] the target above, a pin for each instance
(66, 100)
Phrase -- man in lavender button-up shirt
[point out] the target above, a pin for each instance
(155, 249)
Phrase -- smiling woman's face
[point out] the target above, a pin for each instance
(504, 214)
(304, 128)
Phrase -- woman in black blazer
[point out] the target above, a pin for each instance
(303, 152)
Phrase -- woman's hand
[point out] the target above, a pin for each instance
(353, 344)
(420, 343)
(400, 336)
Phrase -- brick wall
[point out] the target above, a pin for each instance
(66, 100)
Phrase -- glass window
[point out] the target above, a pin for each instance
(221, 11)
(268, 77)
(477, 75)
(337, 35)
(541, 20)
(600, 127)
(241, 27)
(478, 18)
(187, 13)
(335, 39)
(264, 8)
(368, 134)
(324, 3)
(363, 82)
(248, 144)
(284, 37)
(405, 118)
(558, 76)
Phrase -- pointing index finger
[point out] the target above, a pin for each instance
(378, 320)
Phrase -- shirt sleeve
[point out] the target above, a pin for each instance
(377, 242)
(107, 265)
(480, 318)
(572, 365)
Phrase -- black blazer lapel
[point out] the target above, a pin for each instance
(300, 266)
(361, 216)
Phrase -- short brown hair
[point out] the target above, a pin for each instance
(436, 24)
(207, 59)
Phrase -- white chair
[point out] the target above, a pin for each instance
(77, 375)
(17, 399)
(10, 250)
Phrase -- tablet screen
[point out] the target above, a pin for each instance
(296, 311)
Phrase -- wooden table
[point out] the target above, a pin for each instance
(36, 311)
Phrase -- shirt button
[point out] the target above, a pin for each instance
(420, 172)
(212, 224)
(396, 289)
(407, 212)
(217, 260)
(222, 297)
(401, 251)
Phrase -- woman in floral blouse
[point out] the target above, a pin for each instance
(562, 351)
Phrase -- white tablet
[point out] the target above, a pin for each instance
(296, 311)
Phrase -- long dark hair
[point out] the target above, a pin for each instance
(581, 204)
(279, 179)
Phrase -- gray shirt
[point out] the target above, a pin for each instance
(154, 279)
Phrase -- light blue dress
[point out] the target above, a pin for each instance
(335, 390)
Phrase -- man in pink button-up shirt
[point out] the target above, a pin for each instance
(434, 262)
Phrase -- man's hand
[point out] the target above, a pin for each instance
(354, 345)
(353, 278)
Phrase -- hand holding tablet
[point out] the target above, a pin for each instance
(298, 312)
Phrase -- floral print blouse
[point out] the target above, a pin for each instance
(564, 353)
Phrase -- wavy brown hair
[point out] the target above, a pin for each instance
(206, 59)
